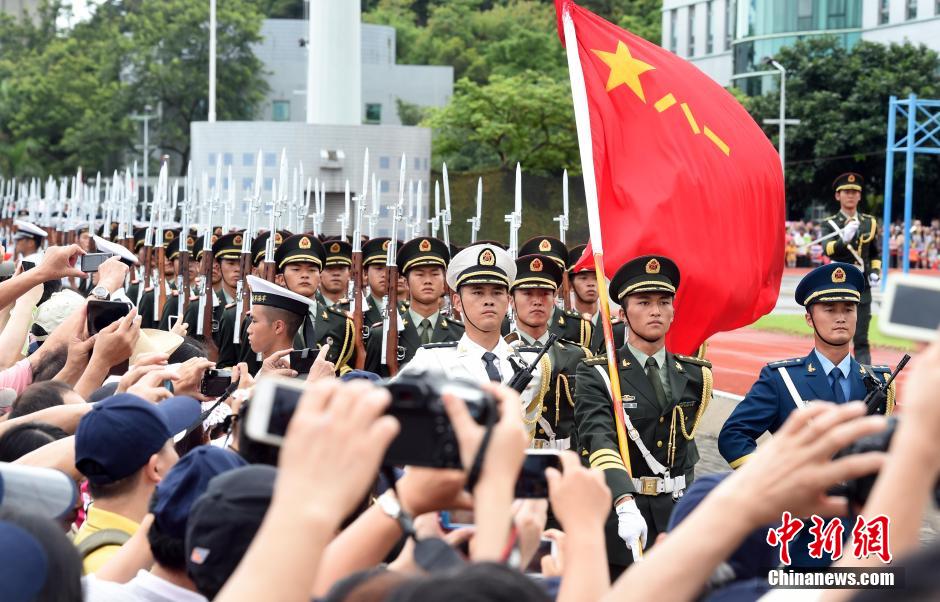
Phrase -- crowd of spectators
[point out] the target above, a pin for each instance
(803, 250)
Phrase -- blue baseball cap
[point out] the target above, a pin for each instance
(118, 436)
(829, 283)
(187, 480)
(24, 565)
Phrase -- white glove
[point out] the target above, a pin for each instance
(849, 231)
(630, 524)
(874, 278)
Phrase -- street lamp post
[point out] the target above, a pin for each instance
(145, 118)
(782, 121)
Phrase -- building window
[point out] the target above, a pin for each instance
(384, 186)
(417, 163)
(691, 37)
(673, 41)
(247, 183)
(836, 16)
(270, 159)
(248, 159)
(225, 184)
(936, 8)
(709, 28)
(280, 110)
(426, 159)
(211, 181)
(227, 159)
(884, 12)
(911, 10)
(383, 162)
(373, 112)
(804, 15)
(269, 184)
(212, 159)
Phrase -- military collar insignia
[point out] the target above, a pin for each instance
(404, 321)
(838, 275)
(561, 320)
(443, 323)
(810, 368)
(625, 363)
(325, 317)
(861, 369)
(679, 367)
(652, 266)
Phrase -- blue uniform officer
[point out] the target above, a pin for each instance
(830, 294)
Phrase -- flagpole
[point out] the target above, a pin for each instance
(583, 122)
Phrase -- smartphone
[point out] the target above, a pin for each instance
(532, 482)
(910, 308)
(272, 405)
(102, 314)
(90, 262)
(172, 321)
(215, 382)
(455, 519)
(302, 360)
(547, 547)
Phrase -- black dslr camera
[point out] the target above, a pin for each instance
(426, 437)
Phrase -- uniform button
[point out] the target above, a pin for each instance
(659, 444)
(544, 408)
(661, 419)
(541, 432)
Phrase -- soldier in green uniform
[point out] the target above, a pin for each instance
(567, 324)
(423, 262)
(172, 301)
(334, 279)
(532, 295)
(374, 255)
(856, 242)
(145, 309)
(584, 285)
(663, 397)
(137, 272)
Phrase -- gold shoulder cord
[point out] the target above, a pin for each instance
(347, 339)
(707, 381)
(546, 367)
(889, 405)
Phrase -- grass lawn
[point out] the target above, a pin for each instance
(795, 324)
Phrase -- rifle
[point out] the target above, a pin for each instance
(241, 291)
(390, 326)
(878, 391)
(163, 192)
(514, 220)
(523, 377)
(356, 270)
(475, 221)
(562, 230)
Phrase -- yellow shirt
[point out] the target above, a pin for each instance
(98, 520)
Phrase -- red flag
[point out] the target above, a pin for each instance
(682, 170)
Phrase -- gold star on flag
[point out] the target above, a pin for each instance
(624, 69)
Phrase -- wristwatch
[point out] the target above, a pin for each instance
(388, 503)
(100, 293)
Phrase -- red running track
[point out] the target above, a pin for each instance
(738, 356)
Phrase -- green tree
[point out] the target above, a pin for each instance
(841, 97)
(410, 113)
(524, 118)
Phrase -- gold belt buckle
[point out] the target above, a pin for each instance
(648, 485)
(539, 443)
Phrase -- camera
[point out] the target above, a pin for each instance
(858, 490)
(102, 314)
(215, 382)
(425, 438)
(90, 262)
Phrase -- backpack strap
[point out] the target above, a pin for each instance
(101, 539)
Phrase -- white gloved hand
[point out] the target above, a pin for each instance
(874, 278)
(849, 231)
(630, 524)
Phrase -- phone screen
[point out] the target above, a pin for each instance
(282, 408)
(102, 314)
(532, 482)
(916, 306)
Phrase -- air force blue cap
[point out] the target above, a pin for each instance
(187, 480)
(118, 436)
(829, 283)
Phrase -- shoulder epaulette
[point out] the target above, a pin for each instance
(573, 314)
(594, 361)
(512, 337)
(688, 359)
(337, 311)
(440, 345)
(796, 361)
(230, 305)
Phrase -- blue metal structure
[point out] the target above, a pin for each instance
(923, 136)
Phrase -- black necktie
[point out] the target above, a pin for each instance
(492, 371)
(652, 372)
